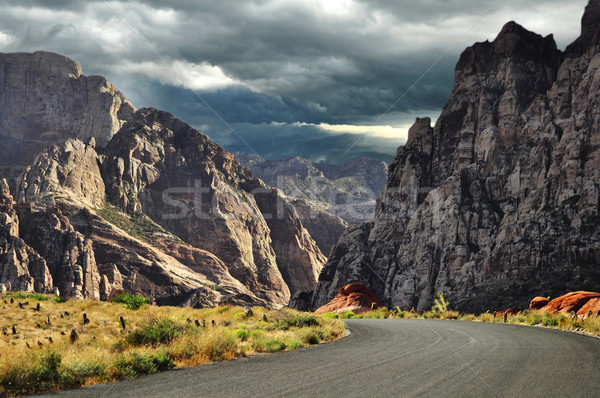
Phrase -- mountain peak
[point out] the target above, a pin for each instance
(590, 30)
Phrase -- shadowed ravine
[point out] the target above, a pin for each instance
(395, 358)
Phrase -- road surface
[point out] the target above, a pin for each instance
(395, 358)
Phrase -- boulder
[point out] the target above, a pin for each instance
(538, 302)
(354, 297)
(570, 302)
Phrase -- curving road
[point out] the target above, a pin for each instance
(395, 358)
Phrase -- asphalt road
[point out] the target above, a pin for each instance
(395, 358)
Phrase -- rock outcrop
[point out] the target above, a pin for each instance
(21, 268)
(112, 199)
(354, 297)
(572, 302)
(46, 100)
(538, 302)
(501, 197)
(162, 167)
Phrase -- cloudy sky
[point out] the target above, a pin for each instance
(330, 80)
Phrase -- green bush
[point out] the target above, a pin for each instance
(298, 321)
(136, 364)
(23, 295)
(347, 315)
(130, 300)
(294, 345)
(550, 321)
(241, 334)
(311, 337)
(330, 315)
(60, 299)
(153, 333)
(269, 345)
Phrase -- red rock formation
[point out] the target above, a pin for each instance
(592, 305)
(538, 302)
(570, 302)
(354, 297)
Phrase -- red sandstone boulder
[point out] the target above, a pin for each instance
(538, 302)
(570, 302)
(354, 297)
(592, 305)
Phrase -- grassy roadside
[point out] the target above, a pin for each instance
(588, 325)
(44, 354)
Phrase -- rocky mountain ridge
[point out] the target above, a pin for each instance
(135, 200)
(500, 199)
(328, 197)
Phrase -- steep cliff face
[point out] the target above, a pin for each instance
(109, 198)
(21, 268)
(499, 201)
(44, 100)
(195, 189)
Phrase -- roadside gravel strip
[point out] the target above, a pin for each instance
(394, 358)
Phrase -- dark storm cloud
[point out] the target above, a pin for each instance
(337, 62)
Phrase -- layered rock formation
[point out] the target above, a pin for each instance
(579, 303)
(146, 204)
(500, 198)
(46, 100)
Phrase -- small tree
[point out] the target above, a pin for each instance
(441, 305)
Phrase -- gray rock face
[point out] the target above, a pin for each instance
(239, 241)
(499, 201)
(196, 190)
(21, 268)
(46, 100)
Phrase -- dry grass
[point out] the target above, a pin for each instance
(155, 338)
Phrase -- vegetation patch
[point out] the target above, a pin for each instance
(137, 224)
(130, 300)
(57, 347)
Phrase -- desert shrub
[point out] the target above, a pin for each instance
(487, 317)
(449, 315)
(431, 315)
(347, 315)
(130, 300)
(399, 313)
(550, 320)
(298, 321)
(534, 318)
(161, 331)
(135, 364)
(310, 336)
(60, 299)
(241, 334)
(269, 345)
(294, 345)
(219, 346)
(440, 304)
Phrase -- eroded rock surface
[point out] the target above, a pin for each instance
(501, 197)
(46, 100)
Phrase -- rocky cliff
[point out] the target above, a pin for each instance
(499, 201)
(327, 197)
(145, 203)
(45, 99)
